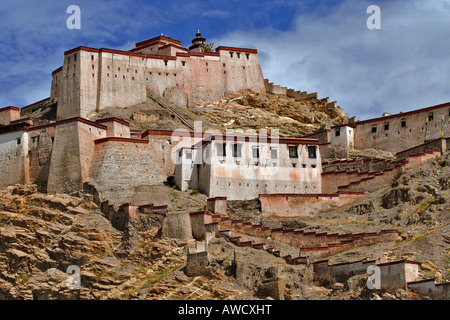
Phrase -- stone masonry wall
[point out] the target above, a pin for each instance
(122, 165)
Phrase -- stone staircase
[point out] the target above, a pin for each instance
(173, 111)
(294, 246)
(369, 174)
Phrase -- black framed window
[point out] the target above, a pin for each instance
(237, 150)
(221, 150)
(312, 152)
(293, 152)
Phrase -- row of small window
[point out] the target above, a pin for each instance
(238, 55)
(263, 185)
(386, 126)
(132, 78)
(237, 151)
(403, 123)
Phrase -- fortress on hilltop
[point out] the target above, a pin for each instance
(72, 152)
(103, 137)
(93, 79)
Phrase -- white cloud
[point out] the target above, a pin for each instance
(401, 67)
(220, 14)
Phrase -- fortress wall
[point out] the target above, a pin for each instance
(73, 153)
(243, 69)
(55, 89)
(123, 78)
(331, 180)
(290, 205)
(9, 114)
(121, 165)
(13, 158)
(27, 110)
(416, 160)
(372, 184)
(435, 144)
(40, 148)
(398, 138)
(69, 83)
(102, 78)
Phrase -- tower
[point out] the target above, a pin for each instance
(197, 43)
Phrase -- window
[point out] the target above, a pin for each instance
(221, 149)
(189, 155)
(312, 152)
(231, 54)
(293, 152)
(386, 126)
(238, 55)
(92, 57)
(247, 55)
(430, 117)
(165, 62)
(374, 129)
(19, 140)
(183, 63)
(403, 123)
(237, 150)
(274, 153)
(337, 132)
(255, 152)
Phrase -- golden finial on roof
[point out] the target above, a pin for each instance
(198, 30)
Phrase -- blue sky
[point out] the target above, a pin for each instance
(321, 46)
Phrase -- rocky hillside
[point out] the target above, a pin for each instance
(41, 235)
(240, 111)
